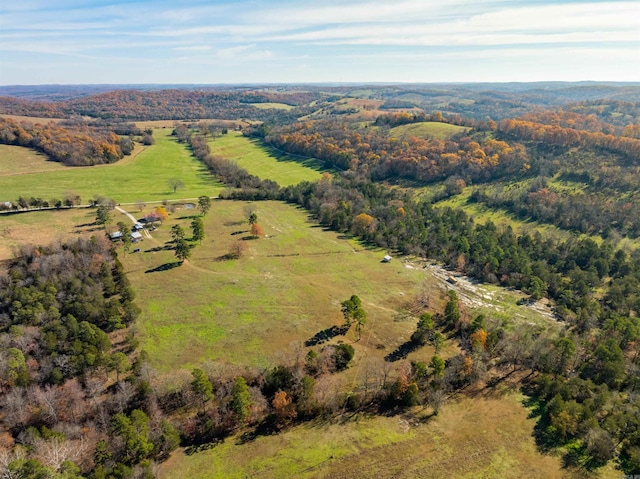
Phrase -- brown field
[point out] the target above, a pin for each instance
(32, 119)
(486, 436)
(43, 227)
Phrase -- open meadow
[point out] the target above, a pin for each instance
(427, 129)
(143, 175)
(286, 288)
(17, 160)
(486, 436)
(265, 162)
(44, 227)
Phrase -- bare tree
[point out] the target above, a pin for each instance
(53, 452)
(175, 184)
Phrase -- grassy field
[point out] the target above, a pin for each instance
(140, 176)
(287, 287)
(427, 129)
(488, 436)
(276, 106)
(43, 227)
(17, 160)
(266, 162)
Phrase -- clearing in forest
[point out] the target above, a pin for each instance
(265, 162)
(427, 129)
(275, 106)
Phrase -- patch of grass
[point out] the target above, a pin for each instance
(142, 176)
(44, 227)
(427, 129)
(275, 106)
(18, 160)
(473, 437)
(266, 162)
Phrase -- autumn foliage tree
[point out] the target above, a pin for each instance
(283, 407)
(256, 230)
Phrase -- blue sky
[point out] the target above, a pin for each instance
(259, 41)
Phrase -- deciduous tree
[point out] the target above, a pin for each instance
(175, 184)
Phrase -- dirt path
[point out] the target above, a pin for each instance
(473, 295)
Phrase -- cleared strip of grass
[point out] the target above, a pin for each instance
(17, 160)
(482, 213)
(276, 106)
(427, 129)
(265, 162)
(144, 176)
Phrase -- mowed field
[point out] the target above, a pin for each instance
(143, 175)
(44, 227)
(487, 436)
(265, 162)
(427, 129)
(17, 160)
(286, 288)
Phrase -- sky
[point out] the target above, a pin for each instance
(282, 41)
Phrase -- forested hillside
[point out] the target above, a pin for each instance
(76, 144)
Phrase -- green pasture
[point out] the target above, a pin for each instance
(287, 287)
(427, 129)
(276, 106)
(266, 162)
(140, 176)
(17, 160)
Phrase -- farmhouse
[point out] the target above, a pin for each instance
(136, 236)
(116, 235)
